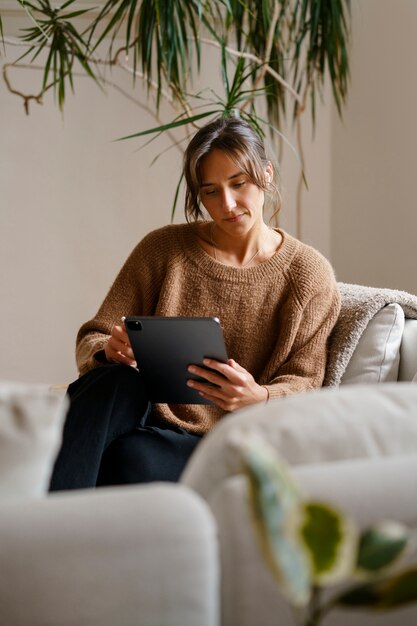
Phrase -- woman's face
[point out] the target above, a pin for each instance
(233, 202)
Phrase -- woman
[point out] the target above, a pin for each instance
(276, 298)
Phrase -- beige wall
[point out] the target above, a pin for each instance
(74, 203)
(374, 190)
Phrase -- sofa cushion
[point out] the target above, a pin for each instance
(319, 426)
(376, 358)
(408, 352)
(31, 420)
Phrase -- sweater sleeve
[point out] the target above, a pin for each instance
(133, 292)
(316, 309)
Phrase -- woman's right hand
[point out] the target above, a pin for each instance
(118, 348)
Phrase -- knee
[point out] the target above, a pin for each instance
(119, 373)
(107, 379)
(122, 376)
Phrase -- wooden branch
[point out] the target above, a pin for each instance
(255, 59)
(298, 211)
(26, 97)
(268, 50)
(167, 96)
(38, 98)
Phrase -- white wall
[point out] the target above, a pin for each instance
(316, 201)
(374, 191)
(74, 203)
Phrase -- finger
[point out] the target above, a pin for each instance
(119, 332)
(126, 360)
(227, 404)
(225, 393)
(120, 341)
(118, 352)
(115, 356)
(226, 370)
(236, 365)
(209, 375)
(119, 357)
(204, 387)
(118, 346)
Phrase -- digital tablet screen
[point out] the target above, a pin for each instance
(164, 347)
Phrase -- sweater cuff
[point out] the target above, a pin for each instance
(267, 391)
(279, 390)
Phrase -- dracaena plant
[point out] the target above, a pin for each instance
(312, 547)
(274, 55)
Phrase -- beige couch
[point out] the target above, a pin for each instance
(143, 556)
(353, 446)
(149, 555)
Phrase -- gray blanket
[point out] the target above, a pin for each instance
(359, 305)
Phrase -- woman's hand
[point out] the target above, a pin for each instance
(236, 387)
(118, 348)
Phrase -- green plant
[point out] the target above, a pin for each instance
(274, 55)
(312, 546)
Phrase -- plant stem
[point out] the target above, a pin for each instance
(255, 59)
(301, 177)
(270, 41)
(35, 21)
(313, 609)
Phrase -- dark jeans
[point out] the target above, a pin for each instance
(111, 436)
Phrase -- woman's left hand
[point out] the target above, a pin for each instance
(236, 387)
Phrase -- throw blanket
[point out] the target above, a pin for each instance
(359, 305)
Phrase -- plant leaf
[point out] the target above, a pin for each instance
(177, 191)
(385, 594)
(159, 129)
(274, 498)
(330, 540)
(399, 590)
(381, 546)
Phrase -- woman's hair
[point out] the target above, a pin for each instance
(239, 141)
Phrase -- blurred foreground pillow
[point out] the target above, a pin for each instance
(31, 420)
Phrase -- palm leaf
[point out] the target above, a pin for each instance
(177, 191)
(1, 31)
(161, 27)
(175, 124)
(321, 35)
(302, 40)
(54, 32)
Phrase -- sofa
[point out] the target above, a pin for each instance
(127, 556)
(185, 554)
(353, 445)
(355, 448)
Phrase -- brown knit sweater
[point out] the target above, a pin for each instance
(276, 316)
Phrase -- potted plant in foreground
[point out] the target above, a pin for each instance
(319, 556)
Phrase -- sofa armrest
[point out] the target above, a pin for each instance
(355, 447)
(368, 489)
(325, 425)
(130, 555)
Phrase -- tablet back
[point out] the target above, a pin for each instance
(165, 346)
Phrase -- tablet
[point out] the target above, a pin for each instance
(165, 346)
